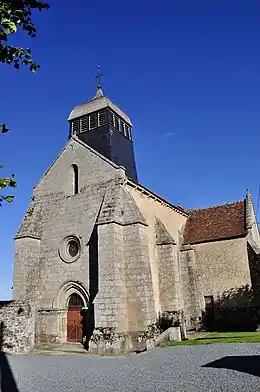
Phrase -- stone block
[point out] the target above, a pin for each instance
(174, 334)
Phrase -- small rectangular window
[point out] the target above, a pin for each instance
(84, 124)
(93, 121)
(76, 126)
(102, 118)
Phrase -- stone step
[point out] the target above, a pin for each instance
(69, 348)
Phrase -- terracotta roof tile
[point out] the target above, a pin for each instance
(215, 223)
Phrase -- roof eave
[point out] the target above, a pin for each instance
(216, 239)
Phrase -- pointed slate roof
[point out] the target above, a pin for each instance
(98, 102)
(215, 223)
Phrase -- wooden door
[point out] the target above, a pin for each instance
(209, 312)
(74, 319)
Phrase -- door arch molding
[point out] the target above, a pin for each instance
(67, 289)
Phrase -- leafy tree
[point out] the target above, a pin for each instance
(14, 15)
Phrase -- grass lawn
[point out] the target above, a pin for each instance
(226, 337)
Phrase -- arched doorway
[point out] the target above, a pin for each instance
(74, 325)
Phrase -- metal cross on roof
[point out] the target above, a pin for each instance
(98, 77)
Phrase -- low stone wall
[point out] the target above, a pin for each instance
(106, 341)
(17, 326)
(51, 326)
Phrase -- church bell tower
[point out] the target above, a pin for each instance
(106, 128)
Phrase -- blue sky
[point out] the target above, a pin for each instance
(186, 72)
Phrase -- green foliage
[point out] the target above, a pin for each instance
(3, 128)
(6, 182)
(214, 338)
(14, 15)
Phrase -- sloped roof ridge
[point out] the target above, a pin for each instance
(76, 139)
(142, 187)
(214, 206)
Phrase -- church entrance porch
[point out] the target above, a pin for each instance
(74, 319)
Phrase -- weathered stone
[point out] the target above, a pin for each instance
(17, 328)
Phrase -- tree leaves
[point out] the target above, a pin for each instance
(14, 15)
(3, 128)
(7, 182)
(4, 182)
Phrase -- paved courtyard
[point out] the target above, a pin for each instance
(223, 367)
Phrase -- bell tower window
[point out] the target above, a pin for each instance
(84, 124)
(76, 126)
(102, 118)
(117, 125)
(111, 118)
(93, 121)
(127, 132)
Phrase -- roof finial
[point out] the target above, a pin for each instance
(98, 77)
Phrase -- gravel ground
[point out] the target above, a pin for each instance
(166, 369)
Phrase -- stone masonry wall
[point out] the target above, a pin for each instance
(169, 278)
(192, 310)
(26, 268)
(221, 266)
(92, 168)
(17, 320)
(110, 302)
(140, 299)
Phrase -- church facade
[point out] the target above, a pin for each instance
(93, 237)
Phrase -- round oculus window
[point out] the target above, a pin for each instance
(73, 248)
(70, 249)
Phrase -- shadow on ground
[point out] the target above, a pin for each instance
(245, 363)
(8, 383)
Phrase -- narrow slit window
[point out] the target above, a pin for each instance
(75, 179)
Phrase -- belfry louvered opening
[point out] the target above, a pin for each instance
(93, 121)
(102, 118)
(76, 126)
(84, 124)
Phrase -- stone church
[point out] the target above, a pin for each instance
(93, 237)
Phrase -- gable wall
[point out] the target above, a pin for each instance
(93, 169)
(63, 214)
